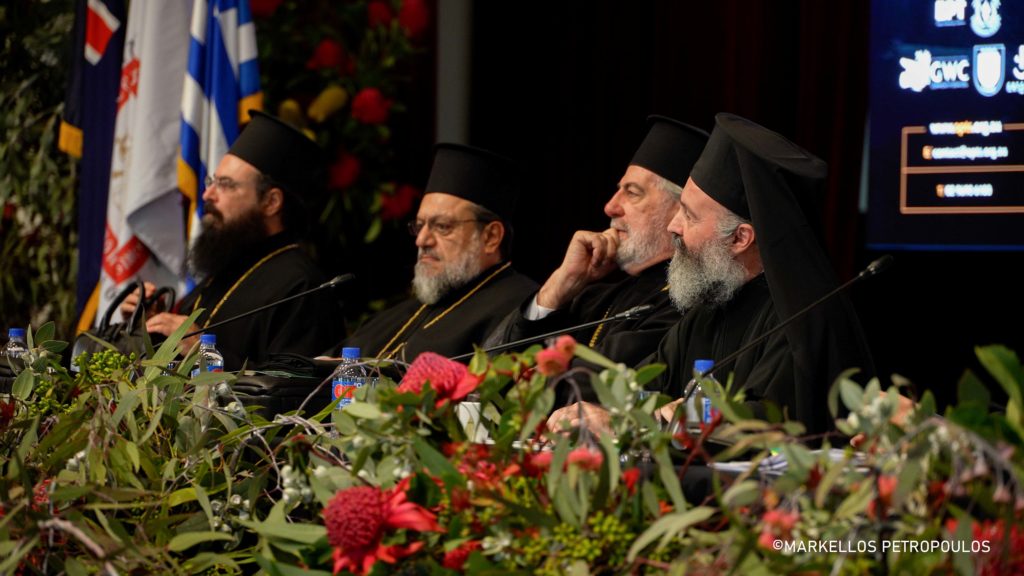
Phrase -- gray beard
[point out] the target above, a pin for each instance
(430, 290)
(639, 247)
(708, 276)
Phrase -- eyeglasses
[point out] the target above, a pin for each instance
(223, 183)
(437, 226)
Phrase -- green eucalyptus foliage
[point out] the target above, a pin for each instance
(37, 200)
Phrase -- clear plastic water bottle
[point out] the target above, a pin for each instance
(16, 349)
(347, 377)
(699, 407)
(210, 359)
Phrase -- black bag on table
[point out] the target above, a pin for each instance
(127, 337)
(283, 383)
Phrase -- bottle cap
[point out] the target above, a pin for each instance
(702, 366)
(208, 339)
(350, 353)
(16, 333)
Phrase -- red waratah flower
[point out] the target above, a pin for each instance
(358, 518)
(413, 18)
(586, 458)
(456, 559)
(450, 380)
(329, 54)
(264, 8)
(370, 106)
(378, 13)
(396, 206)
(344, 171)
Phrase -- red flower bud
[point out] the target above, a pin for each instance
(413, 18)
(370, 106)
(344, 171)
(378, 13)
(396, 206)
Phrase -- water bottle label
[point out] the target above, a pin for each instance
(709, 412)
(343, 390)
(209, 368)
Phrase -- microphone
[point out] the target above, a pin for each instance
(631, 314)
(873, 269)
(337, 280)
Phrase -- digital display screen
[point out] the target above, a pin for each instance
(946, 136)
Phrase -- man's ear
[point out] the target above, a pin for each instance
(494, 232)
(743, 238)
(273, 202)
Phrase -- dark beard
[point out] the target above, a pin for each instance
(219, 246)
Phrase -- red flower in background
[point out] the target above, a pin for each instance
(370, 106)
(450, 380)
(264, 8)
(555, 360)
(396, 206)
(414, 18)
(378, 13)
(345, 170)
(456, 559)
(357, 519)
(586, 458)
(330, 54)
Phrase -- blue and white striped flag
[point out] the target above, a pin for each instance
(221, 86)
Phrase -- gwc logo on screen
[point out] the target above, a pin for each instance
(955, 72)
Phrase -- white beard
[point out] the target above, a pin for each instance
(708, 276)
(639, 246)
(430, 289)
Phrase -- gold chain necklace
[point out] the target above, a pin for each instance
(241, 279)
(386, 354)
(600, 327)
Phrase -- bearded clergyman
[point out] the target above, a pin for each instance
(464, 281)
(249, 252)
(747, 257)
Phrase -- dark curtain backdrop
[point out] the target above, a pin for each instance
(564, 87)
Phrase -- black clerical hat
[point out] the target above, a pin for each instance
(477, 175)
(737, 143)
(670, 148)
(283, 153)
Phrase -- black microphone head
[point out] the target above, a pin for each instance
(638, 311)
(879, 265)
(340, 279)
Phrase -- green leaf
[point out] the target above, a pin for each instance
(373, 231)
(45, 333)
(133, 454)
(23, 385)
(741, 494)
(190, 539)
(74, 567)
(363, 410)
(669, 526)
(304, 533)
(181, 497)
(909, 479)
(852, 395)
(589, 355)
(649, 372)
(436, 463)
(856, 503)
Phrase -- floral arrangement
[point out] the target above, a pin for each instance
(129, 467)
(340, 71)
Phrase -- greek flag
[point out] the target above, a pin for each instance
(222, 84)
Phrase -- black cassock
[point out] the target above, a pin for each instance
(274, 269)
(626, 341)
(452, 326)
(787, 375)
